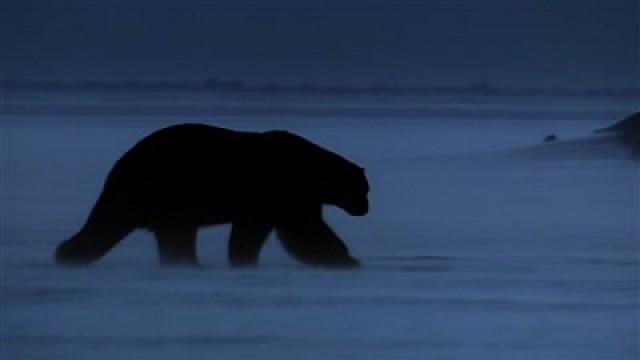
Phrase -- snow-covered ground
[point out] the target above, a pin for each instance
(481, 242)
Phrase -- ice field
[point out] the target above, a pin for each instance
(481, 243)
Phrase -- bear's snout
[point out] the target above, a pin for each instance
(360, 208)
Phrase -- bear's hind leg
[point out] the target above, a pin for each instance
(246, 240)
(108, 223)
(176, 245)
(91, 243)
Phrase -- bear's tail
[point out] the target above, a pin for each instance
(105, 227)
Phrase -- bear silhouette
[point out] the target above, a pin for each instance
(186, 176)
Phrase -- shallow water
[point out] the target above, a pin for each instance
(481, 242)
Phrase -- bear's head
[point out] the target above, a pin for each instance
(319, 174)
(345, 187)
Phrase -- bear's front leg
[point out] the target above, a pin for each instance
(176, 244)
(246, 240)
(311, 240)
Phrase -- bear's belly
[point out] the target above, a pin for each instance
(200, 209)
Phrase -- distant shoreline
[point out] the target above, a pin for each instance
(480, 89)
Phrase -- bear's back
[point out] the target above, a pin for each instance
(188, 165)
(187, 138)
(187, 145)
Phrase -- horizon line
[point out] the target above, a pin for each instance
(213, 84)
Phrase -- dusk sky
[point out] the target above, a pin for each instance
(546, 43)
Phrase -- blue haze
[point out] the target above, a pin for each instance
(481, 242)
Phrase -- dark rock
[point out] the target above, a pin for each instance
(627, 131)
